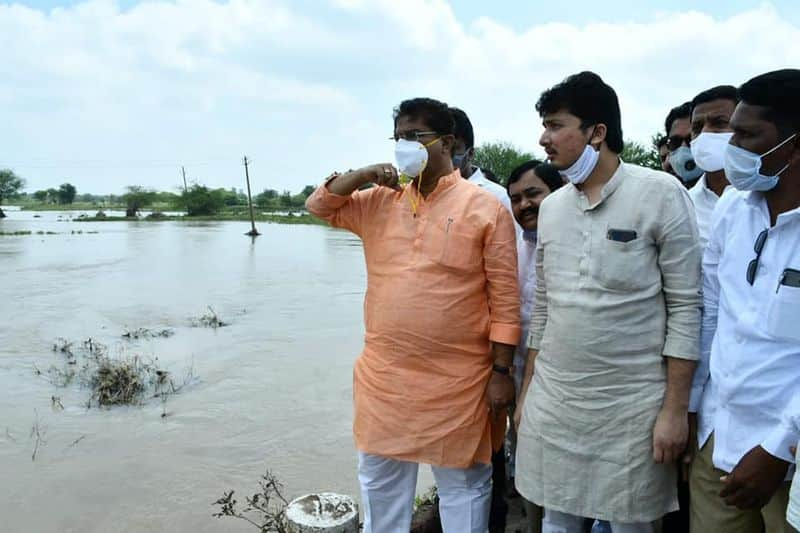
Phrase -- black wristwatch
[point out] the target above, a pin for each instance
(505, 370)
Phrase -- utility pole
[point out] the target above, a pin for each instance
(253, 232)
(185, 187)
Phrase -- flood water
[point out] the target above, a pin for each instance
(271, 390)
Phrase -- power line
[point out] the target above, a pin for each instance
(105, 164)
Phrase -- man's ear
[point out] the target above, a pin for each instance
(795, 157)
(599, 135)
(448, 143)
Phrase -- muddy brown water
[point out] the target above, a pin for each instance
(271, 390)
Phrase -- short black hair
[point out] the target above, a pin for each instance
(589, 98)
(491, 176)
(545, 171)
(682, 111)
(434, 113)
(463, 127)
(778, 92)
(720, 92)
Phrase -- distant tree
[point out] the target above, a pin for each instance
(642, 155)
(232, 197)
(298, 200)
(87, 198)
(52, 195)
(10, 186)
(500, 158)
(136, 198)
(40, 196)
(200, 200)
(267, 198)
(169, 199)
(308, 189)
(66, 193)
(286, 199)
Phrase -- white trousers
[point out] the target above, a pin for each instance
(388, 488)
(556, 522)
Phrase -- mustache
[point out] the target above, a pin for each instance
(530, 211)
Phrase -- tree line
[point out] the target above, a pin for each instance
(197, 200)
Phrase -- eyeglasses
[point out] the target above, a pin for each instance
(752, 268)
(412, 135)
(676, 141)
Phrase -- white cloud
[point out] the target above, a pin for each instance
(107, 97)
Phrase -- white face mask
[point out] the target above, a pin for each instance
(579, 171)
(743, 168)
(708, 150)
(411, 157)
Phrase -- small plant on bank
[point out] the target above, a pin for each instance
(264, 510)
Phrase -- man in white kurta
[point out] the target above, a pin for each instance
(606, 314)
(615, 329)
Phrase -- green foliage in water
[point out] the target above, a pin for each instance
(202, 201)
(136, 198)
(66, 193)
(10, 185)
(272, 199)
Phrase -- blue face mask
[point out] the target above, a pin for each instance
(458, 159)
(529, 235)
(683, 164)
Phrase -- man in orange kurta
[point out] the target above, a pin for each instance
(442, 320)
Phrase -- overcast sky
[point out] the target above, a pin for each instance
(105, 93)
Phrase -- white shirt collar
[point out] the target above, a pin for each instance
(477, 176)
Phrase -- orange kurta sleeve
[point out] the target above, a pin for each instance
(339, 211)
(502, 283)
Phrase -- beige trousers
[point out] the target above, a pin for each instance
(708, 512)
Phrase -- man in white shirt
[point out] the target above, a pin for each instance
(528, 185)
(678, 126)
(464, 153)
(663, 155)
(791, 421)
(711, 131)
(749, 370)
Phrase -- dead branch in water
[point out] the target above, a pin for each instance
(76, 441)
(62, 346)
(209, 320)
(144, 333)
(55, 402)
(37, 433)
(123, 380)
